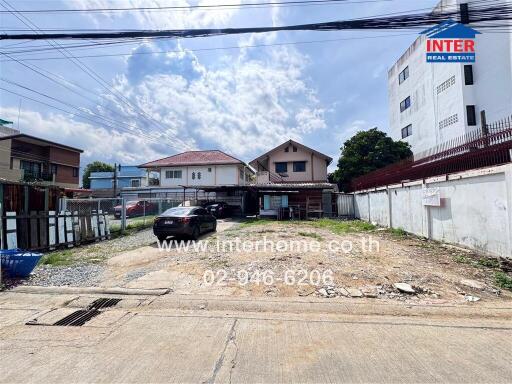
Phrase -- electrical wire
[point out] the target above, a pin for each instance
(204, 6)
(24, 59)
(489, 13)
(91, 73)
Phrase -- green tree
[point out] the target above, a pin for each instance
(95, 166)
(365, 152)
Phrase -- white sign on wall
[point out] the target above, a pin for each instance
(432, 197)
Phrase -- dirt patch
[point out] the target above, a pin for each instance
(375, 261)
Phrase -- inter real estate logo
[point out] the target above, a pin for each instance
(450, 42)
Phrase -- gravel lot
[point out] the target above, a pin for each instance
(431, 271)
(85, 265)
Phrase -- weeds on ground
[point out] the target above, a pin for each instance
(503, 280)
(462, 259)
(57, 258)
(131, 228)
(400, 232)
(489, 263)
(312, 235)
(340, 227)
(251, 222)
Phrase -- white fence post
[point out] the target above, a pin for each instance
(69, 229)
(62, 227)
(94, 223)
(51, 230)
(101, 224)
(107, 226)
(10, 230)
(76, 227)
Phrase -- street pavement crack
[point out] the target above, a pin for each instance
(220, 361)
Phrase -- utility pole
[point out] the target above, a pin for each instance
(464, 13)
(115, 180)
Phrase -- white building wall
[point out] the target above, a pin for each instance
(214, 175)
(491, 91)
(475, 210)
(227, 175)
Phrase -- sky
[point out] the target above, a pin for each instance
(161, 97)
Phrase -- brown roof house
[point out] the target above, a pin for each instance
(32, 159)
(291, 182)
(200, 169)
(291, 162)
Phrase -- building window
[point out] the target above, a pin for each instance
(299, 166)
(287, 149)
(135, 183)
(209, 169)
(31, 167)
(281, 167)
(403, 75)
(173, 174)
(198, 175)
(294, 149)
(75, 172)
(405, 104)
(193, 175)
(53, 169)
(407, 131)
(468, 75)
(471, 114)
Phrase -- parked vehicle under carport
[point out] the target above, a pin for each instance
(184, 221)
(219, 209)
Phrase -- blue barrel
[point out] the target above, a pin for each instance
(17, 262)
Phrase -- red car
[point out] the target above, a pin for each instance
(136, 208)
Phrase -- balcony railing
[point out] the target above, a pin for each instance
(36, 176)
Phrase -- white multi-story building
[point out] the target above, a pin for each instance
(431, 103)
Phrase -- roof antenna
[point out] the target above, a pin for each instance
(19, 112)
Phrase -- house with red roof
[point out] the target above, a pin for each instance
(196, 169)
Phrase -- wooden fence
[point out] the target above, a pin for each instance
(46, 230)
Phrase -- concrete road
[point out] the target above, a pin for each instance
(190, 339)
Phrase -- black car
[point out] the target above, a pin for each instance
(184, 221)
(219, 210)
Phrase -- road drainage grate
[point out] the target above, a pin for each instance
(82, 316)
(103, 303)
(78, 318)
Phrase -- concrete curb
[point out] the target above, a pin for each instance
(90, 290)
(328, 306)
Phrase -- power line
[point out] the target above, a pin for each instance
(214, 48)
(492, 13)
(91, 73)
(205, 7)
(82, 116)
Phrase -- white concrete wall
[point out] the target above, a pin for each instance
(491, 91)
(475, 211)
(361, 206)
(379, 212)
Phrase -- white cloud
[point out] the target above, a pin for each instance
(97, 143)
(349, 130)
(161, 19)
(244, 107)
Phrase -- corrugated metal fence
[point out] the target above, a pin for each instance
(345, 205)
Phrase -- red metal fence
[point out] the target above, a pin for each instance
(489, 146)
